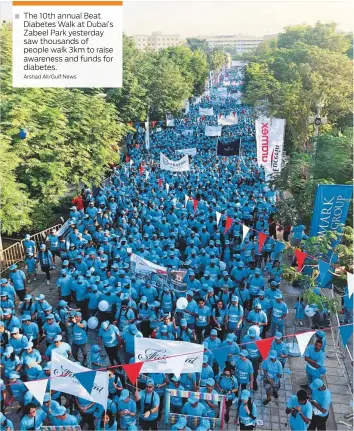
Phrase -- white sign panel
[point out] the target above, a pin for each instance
(156, 353)
(229, 120)
(213, 130)
(206, 111)
(144, 265)
(270, 143)
(172, 166)
(62, 379)
(170, 121)
(189, 151)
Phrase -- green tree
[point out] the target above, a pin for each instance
(195, 43)
(290, 75)
(15, 205)
(72, 137)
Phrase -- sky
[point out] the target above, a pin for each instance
(255, 18)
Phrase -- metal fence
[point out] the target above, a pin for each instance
(343, 353)
(16, 252)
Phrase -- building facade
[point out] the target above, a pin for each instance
(157, 41)
(238, 42)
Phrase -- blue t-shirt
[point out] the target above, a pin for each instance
(323, 398)
(273, 369)
(244, 369)
(80, 334)
(109, 336)
(297, 423)
(126, 420)
(150, 401)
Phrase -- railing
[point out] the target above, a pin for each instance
(343, 354)
(16, 252)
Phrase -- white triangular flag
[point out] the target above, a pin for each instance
(218, 217)
(147, 174)
(37, 389)
(167, 187)
(245, 230)
(131, 162)
(303, 340)
(186, 199)
(176, 363)
(350, 283)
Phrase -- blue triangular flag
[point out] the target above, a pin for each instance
(346, 331)
(325, 276)
(278, 247)
(220, 356)
(86, 379)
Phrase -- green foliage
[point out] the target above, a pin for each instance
(72, 137)
(195, 44)
(291, 74)
(320, 301)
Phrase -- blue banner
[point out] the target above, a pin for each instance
(331, 208)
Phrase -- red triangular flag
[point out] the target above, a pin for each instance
(159, 182)
(261, 240)
(127, 159)
(133, 370)
(153, 123)
(203, 118)
(228, 223)
(300, 257)
(264, 346)
(195, 204)
(141, 169)
(234, 114)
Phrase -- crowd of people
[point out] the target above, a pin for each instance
(233, 289)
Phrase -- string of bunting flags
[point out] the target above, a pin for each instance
(72, 378)
(262, 238)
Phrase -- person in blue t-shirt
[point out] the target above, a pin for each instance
(321, 400)
(279, 312)
(273, 370)
(33, 419)
(126, 410)
(314, 356)
(109, 336)
(300, 411)
(18, 279)
(149, 406)
(80, 338)
(247, 411)
(61, 418)
(203, 314)
(244, 370)
(193, 407)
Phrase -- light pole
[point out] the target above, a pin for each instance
(317, 122)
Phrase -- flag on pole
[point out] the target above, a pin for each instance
(228, 223)
(186, 199)
(262, 237)
(218, 217)
(167, 187)
(300, 257)
(133, 371)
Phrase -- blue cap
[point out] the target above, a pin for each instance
(278, 335)
(210, 382)
(316, 383)
(213, 332)
(124, 394)
(272, 354)
(244, 353)
(245, 394)
(181, 423)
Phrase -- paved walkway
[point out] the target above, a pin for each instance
(273, 415)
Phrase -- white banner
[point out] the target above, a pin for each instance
(186, 106)
(170, 121)
(187, 132)
(228, 120)
(221, 91)
(206, 111)
(147, 135)
(144, 265)
(189, 151)
(174, 166)
(270, 143)
(213, 130)
(156, 352)
(197, 100)
(276, 145)
(62, 379)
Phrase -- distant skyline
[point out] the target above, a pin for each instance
(192, 19)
